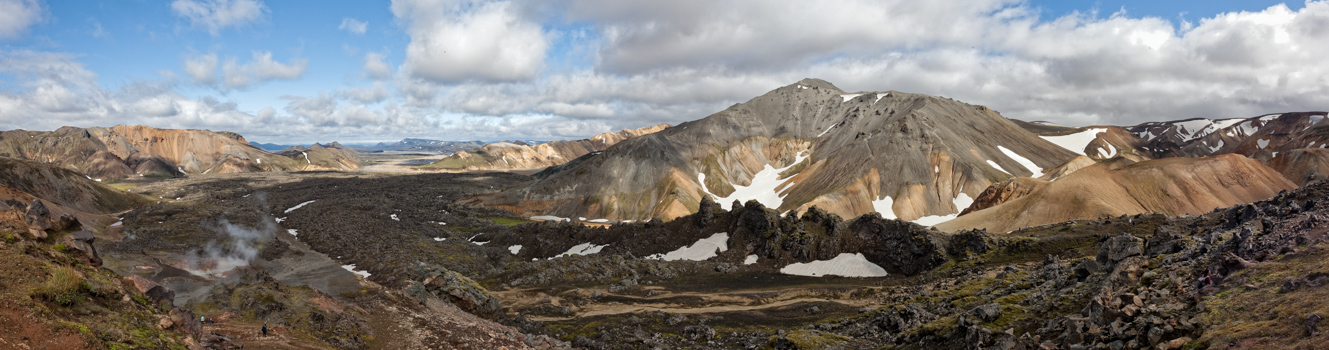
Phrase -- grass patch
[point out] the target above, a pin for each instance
(509, 221)
(64, 287)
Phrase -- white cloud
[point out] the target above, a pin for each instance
(353, 26)
(470, 40)
(375, 68)
(203, 68)
(17, 15)
(263, 67)
(214, 15)
(376, 93)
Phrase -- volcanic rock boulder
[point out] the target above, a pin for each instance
(455, 288)
(154, 291)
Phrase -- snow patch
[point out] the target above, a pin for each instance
(598, 221)
(118, 223)
(1076, 142)
(848, 97)
(994, 165)
(394, 217)
(549, 218)
(351, 268)
(301, 205)
(1025, 162)
(880, 95)
(827, 130)
(1262, 143)
(883, 206)
(961, 201)
(703, 249)
(582, 249)
(1215, 148)
(1110, 152)
(763, 187)
(751, 259)
(279, 220)
(439, 239)
(846, 264)
(514, 249)
(181, 170)
(293, 232)
(259, 160)
(307, 158)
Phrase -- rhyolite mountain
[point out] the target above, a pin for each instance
(519, 155)
(132, 150)
(908, 156)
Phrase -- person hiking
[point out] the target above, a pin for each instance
(265, 329)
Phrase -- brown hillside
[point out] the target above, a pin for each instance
(1172, 186)
(508, 155)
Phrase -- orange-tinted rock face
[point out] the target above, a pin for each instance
(134, 150)
(508, 155)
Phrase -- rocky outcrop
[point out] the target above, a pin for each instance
(519, 155)
(455, 288)
(156, 292)
(806, 144)
(1172, 186)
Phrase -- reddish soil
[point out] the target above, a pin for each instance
(20, 331)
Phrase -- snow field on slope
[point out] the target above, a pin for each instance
(582, 249)
(961, 202)
(1076, 142)
(301, 205)
(763, 187)
(751, 259)
(550, 218)
(703, 249)
(998, 167)
(846, 264)
(351, 268)
(514, 249)
(848, 97)
(883, 206)
(1025, 162)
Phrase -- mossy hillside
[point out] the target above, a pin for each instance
(91, 302)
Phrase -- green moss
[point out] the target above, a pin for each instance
(806, 339)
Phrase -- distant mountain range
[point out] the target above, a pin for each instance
(521, 155)
(133, 150)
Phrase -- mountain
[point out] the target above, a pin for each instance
(519, 155)
(132, 150)
(422, 145)
(1260, 137)
(807, 144)
(271, 147)
(1172, 186)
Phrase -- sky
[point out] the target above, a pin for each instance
(297, 72)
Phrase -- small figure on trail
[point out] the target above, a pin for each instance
(265, 329)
